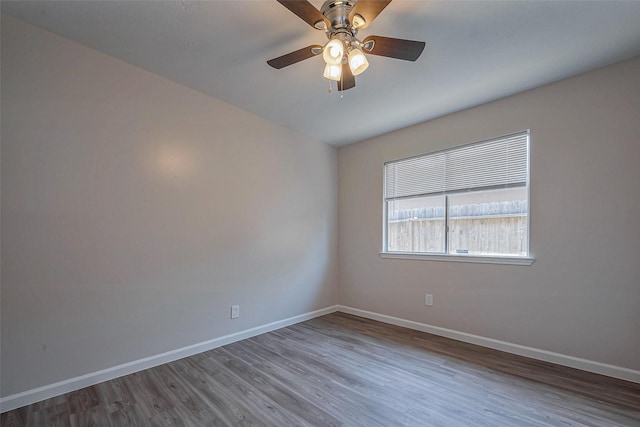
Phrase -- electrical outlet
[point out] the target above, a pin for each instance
(235, 311)
(428, 299)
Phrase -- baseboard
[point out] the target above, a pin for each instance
(534, 353)
(48, 391)
(28, 397)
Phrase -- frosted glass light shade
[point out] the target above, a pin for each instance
(333, 52)
(333, 72)
(357, 62)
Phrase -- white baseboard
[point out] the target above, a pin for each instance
(45, 392)
(51, 390)
(534, 353)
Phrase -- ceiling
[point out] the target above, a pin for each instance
(476, 51)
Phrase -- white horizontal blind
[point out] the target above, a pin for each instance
(496, 163)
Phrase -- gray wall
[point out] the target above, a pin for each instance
(581, 297)
(135, 212)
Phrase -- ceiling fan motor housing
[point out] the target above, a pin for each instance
(337, 13)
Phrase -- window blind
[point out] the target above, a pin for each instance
(496, 163)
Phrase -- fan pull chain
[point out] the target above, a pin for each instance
(329, 90)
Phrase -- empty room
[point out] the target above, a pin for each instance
(320, 213)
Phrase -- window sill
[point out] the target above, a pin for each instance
(460, 258)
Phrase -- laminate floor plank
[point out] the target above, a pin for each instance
(340, 371)
(393, 369)
(253, 372)
(333, 397)
(343, 370)
(469, 356)
(518, 387)
(212, 386)
(340, 397)
(259, 396)
(390, 381)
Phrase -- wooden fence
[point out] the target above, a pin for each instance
(486, 235)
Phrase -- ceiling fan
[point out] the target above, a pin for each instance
(344, 52)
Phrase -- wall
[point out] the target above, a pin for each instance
(581, 296)
(135, 212)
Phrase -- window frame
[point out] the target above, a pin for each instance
(527, 259)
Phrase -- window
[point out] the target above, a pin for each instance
(467, 201)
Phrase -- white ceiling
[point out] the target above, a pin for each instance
(476, 51)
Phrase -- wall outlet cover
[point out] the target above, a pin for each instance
(235, 311)
(428, 299)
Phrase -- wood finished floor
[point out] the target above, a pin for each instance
(345, 370)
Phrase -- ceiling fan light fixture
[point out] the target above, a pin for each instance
(357, 61)
(333, 72)
(333, 52)
(341, 20)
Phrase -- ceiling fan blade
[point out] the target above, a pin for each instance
(348, 80)
(296, 56)
(368, 9)
(408, 50)
(305, 11)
